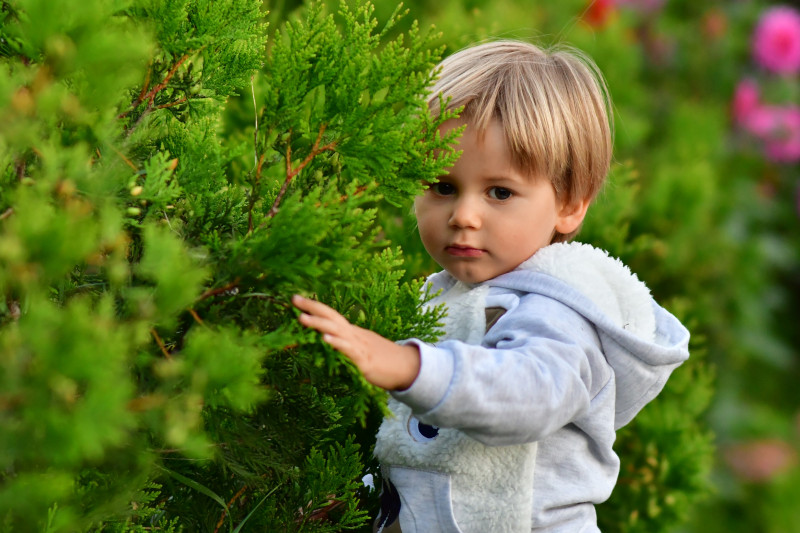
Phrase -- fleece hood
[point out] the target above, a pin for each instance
(641, 341)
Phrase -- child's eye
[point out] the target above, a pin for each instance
(499, 193)
(443, 188)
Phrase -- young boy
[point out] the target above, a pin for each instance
(507, 424)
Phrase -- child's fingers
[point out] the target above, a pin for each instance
(320, 323)
(339, 344)
(314, 307)
(335, 328)
(332, 332)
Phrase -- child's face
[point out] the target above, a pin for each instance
(485, 217)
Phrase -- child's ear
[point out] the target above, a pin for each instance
(571, 216)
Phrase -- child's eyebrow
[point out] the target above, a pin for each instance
(501, 177)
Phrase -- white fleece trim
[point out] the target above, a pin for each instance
(491, 487)
(465, 319)
(605, 280)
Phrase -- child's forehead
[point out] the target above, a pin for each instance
(491, 136)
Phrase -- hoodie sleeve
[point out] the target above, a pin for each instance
(536, 371)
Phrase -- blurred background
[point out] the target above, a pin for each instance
(703, 203)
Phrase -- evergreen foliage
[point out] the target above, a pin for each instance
(153, 375)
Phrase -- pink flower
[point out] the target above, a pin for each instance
(783, 144)
(776, 41)
(745, 100)
(762, 120)
(760, 460)
(777, 128)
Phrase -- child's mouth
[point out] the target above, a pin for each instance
(464, 251)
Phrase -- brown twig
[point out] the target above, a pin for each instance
(225, 511)
(146, 402)
(155, 90)
(321, 513)
(172, 104)
(14, 309)
(127, 161)
(19, 168)
(146, 84)
(292, 172)
(359, 190)
(267, 297)
(196, 316)
(7, 213)
(160, 343)
(324, 512)
(219, 290)
(151, 95)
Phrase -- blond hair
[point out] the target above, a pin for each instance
(553, 105)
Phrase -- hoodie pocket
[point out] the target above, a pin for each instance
(424, 501)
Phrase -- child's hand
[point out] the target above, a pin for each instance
(383, 363)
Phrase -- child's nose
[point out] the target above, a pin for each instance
(465, 214)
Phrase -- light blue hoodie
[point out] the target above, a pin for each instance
(509, 425)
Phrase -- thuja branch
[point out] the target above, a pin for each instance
(291, 172)
(145, 85)
(151, 95)
(173, 104)
(160, 343)
(229, 288)
(196, 316)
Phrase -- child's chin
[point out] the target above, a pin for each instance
(471, 277)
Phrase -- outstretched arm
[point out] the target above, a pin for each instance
(383, 363)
